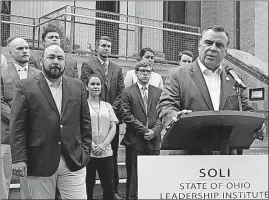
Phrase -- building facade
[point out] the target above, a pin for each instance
(246, 21)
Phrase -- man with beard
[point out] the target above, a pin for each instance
(143, 128)
(52, 35)
(112, 79)
(51, 131)
(11, 73)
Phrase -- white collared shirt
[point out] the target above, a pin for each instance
(102, 62)
(213, 82)
(22, 71)
(146, 91)
(56, 91)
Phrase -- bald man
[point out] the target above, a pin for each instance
(11, 73)
(51, 130)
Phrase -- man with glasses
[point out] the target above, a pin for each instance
(143, 128)
(185, 57)
(11, 73)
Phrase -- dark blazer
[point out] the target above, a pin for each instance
(112, 89)
(40, 134)
(9, 79)
(185, 88)
(71, 69)
(136, 117)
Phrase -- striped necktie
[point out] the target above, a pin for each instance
(105, 69)
(144, 97)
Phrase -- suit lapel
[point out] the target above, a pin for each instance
(13, 73)
(139, 96)
(110, 72)
(42, 83)
(225, 88)
(99, 67)
(150, 97)
(66, 93)
(199, 80)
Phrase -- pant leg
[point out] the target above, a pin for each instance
(90, 177)
(128, 164)
(24, 188)
(133, 176)
(105, 172)
(6, 170)
(42, 187)
(71, 185)
(115, 147)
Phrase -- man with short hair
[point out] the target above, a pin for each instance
(185, 57)
(11, 73)
(112, 79)
(52, 35)
(143, 128)
(50, 131)
(202, 85)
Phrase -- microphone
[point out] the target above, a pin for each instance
(232, 73)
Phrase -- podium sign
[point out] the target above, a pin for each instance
(203, 177)
(192, 129)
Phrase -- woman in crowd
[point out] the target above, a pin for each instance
(155, 78)
(103, 121)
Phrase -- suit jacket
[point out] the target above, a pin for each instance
(185, 88)
(40, 134)
(136, 117)
(71, 69)
(112, 88)
(9, 79)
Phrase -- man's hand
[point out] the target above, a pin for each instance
(261, 132)
(179, 113)
(98, 149)
(149, 135)
(19, 169)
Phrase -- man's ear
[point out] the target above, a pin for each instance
(41, 61)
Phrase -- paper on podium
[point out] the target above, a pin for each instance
(187, 133)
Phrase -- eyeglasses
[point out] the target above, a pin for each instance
(144, 71)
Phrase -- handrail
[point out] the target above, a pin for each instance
(133, 24)
(62, 8)
(17, 23)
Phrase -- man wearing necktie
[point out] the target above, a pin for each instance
(143, 128)
(111, 78)
(16, 70)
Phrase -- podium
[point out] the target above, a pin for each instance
(213, 129)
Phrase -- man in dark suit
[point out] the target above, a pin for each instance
(202, 85)
(52, 35)
(112, 80)
(50, 131)
(143, 128)
(10, 74)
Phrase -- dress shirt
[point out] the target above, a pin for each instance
(22, 71)
(213, 82)
(102, 62)
(56, 91)
(146, 90)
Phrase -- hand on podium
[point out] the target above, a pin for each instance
(260, 133)
(179, 113)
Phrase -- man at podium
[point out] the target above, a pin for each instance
(202, 85)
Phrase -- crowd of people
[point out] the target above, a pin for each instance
(58, 129)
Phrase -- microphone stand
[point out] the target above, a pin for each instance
(238, 93)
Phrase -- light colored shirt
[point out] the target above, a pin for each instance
(146, 90)
(22, 71)
(57, 92)
(3, 61)
(102, 62)
(213, 82)
(155, 79)
(100, 123)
